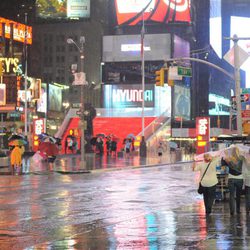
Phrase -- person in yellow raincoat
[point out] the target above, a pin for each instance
(16, 158)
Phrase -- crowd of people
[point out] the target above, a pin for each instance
(47, 151)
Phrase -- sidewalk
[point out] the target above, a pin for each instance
(70, 164)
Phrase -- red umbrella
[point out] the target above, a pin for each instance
(49, 148)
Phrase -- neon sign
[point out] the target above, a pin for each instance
(10, 64)
(21, 32)
(39, 126)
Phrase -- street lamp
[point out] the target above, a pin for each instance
(143, 146)
(82, 114)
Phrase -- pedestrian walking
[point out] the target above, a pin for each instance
(127, 146)
(246, 182)
(99, 146)
(113, 147)
(208, 179)
(108, 145)
(234, 162)
(16, 159)
(160, 151)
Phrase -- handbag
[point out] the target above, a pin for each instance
(201, 188)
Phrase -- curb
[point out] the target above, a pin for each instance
(72, 172)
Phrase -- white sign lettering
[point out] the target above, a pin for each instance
(203, 126)
(134, 47)
(131, 95)
(39, 127)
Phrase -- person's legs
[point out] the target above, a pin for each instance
(209, 196)
(206, 200)
(238, 185)
(231, 188)
(247, 198)
(12, 169)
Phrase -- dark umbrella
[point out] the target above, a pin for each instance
(101, 135)
(16, 137)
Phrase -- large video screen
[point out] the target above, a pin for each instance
(128, 97)
(131, 12)
(63, 9)
(240, 27)
(182, 102)
(218, 105)
(55, 98)
(42, 101)
(215, 26)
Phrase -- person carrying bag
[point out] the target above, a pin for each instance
(208, 180)
(201, 188)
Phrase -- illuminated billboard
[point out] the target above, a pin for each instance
(63, 9)
(42, 102)
(124, 48)
(131, 12)
(215, 26)
(127, 98)
(182, 102)
(55, 98)
(240, 27)
(218, 105)
(19, 31)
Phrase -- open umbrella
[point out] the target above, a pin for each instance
(49, 148)
(16, 137)
(49, 139)
(101, 135)
(132, 136)
(17, 142)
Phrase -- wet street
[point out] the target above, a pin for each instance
(145, 208)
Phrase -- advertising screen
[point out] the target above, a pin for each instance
(128, 48)
(63, 9)
(215, 26)
(129, 97)
(55, 98)
(131, 12)
(181, 102)
(42, 102)
(218, 105)
(240, 27)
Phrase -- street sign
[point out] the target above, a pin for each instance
(229, 56)
(173, 73)
(80, 78)
(183, 71)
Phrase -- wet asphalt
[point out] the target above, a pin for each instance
(147, 204)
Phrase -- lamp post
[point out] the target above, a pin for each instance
(25, 81)
(81, 50)
(143, 146)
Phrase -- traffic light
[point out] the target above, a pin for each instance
(159, 77)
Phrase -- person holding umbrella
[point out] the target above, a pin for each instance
(49, 148)
(16, 157)
(16, 143)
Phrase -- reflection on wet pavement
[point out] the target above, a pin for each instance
(151, 208)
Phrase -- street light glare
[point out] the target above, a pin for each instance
(70, 41)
